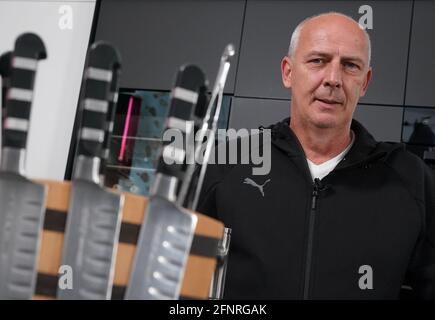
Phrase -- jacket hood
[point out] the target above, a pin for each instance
(365, 148)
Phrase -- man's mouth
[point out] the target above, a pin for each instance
(329, 101)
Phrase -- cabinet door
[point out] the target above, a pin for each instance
(251, 113)
(266, 37)
(421, 73)
(384, 123)
(156, 37)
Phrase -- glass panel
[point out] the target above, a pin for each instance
(419, 133)
(419, 126)
(136, 141)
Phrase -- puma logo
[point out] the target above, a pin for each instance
(253, 183)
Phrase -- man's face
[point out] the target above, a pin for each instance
(328, 72)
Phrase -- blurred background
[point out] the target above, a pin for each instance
(156, 37)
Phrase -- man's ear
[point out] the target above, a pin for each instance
(286, 69)
(366, 82)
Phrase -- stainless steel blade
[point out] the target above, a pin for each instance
(91, 238)
(21, 222)
(162, 251)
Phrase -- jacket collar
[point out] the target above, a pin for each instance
(365, 148)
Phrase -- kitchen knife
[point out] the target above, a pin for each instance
(21, 201)
(167, 231)
(94, 214)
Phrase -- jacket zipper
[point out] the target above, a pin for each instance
(312, 219)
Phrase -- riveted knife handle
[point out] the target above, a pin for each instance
(28, 50)
(102, 60)
(114, 86)
(189, 91)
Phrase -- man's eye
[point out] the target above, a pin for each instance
(316, 61)
(351, 66)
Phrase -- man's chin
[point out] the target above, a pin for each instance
(325, 122)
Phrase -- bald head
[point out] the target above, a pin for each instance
(329, 20)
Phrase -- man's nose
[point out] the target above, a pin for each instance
(333, 75)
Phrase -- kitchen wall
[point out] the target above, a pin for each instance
(65, 28)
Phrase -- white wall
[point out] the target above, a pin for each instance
(58, 78)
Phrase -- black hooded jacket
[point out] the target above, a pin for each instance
(362, 232)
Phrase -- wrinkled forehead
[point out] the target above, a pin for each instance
(334, 36)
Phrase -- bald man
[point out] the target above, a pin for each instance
(340, 215)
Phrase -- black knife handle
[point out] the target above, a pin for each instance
(114, 86)
(102, 60)
(5, 73)
(189, 81)
(5, 64)
(186, 94)
(28, 50)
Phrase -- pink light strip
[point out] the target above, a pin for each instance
(126, 125)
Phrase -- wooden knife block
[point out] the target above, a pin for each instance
(200, 265)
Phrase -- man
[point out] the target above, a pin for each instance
(342, 216)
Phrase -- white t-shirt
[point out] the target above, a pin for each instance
(322, 170)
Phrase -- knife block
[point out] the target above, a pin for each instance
(51, 246)
(200, 265)
(201, 262)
